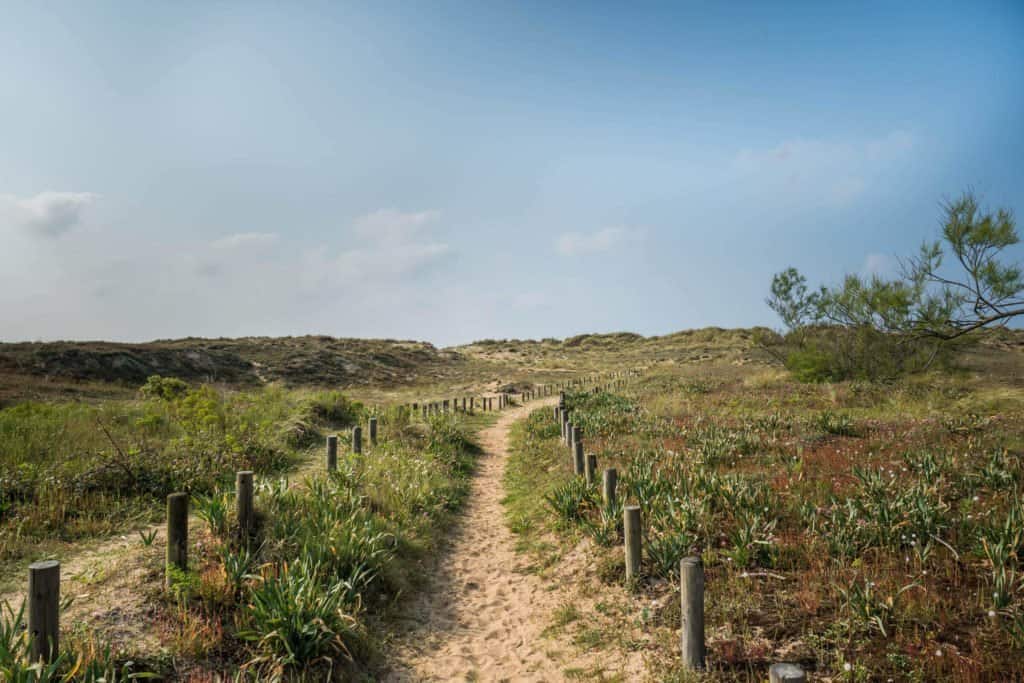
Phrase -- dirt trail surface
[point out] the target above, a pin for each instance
(481, 616)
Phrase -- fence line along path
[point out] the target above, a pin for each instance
(481, 615)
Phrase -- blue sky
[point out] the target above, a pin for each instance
(454, 171)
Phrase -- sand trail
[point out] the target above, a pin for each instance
(481, 615)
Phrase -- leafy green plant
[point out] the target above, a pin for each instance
(837, 424)
(147, 537)
(299, 616)
(570, 500)
(214, 509)
(867, 608)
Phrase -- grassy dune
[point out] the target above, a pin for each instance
(869, 532)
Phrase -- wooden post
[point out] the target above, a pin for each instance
(631, 528)
(177, 534)
(555, 411)
(591, 468)
(244, 498)
(786, 673)
(357, 440)
(445, 403)
(424, 411)
(610, 480)
(332, 452)
(463, 404)
(373, 431)
(577, 454)
(44, 610)
(577, 435)
(691, 595)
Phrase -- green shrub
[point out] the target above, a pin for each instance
(163, 388)
(299, 616)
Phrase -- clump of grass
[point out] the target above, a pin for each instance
(836, 424)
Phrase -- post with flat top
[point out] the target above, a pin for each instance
(44, 610)
(357, 439)
(244, 499)
(610, 481)
(332, 452)
(691, 594)
(177, 535)
(631, 529)
(591, 468)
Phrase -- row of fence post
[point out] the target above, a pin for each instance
(44, 577)
(691, 569)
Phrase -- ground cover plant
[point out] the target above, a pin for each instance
(332, 554)
(868, 531)
(71, 471)
(305, 596)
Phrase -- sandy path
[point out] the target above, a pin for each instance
(481, 615)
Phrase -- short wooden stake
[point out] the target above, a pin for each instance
(44, 610)
(177, 534)
(786, 673)
(357, 439)
(578, 459)
(373, 431)
(610, 479)
(591, 468)
(332, 452)
(631, 528)
(244, 499)
(691, 592)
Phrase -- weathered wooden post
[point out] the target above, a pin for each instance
(576, 435)
(244, 499)
(357, 440)
(332, 452)
(610, 482)
(554, 410)
(373, 431)
(786, 673)
(463, 404)
(691, 595)
(631, 529)
(445, 404)
(591, 468)
(44, 610)
(424, 411)
(578, 458)
(177, 535)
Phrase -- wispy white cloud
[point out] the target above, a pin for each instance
(817, 171)
(882, 265)
(48, 214)
(393, 226)
(245, 239)
(576, 243)
(390, 247)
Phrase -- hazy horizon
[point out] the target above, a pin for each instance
(459, 172)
